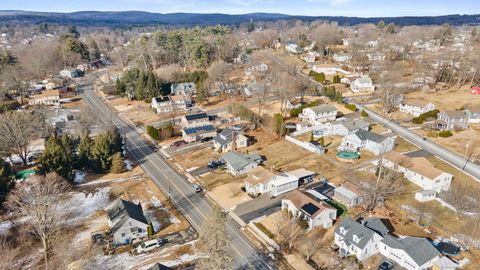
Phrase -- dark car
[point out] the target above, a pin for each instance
(385, 266)
(162, 241)
(178, 143)
(207, 139)
(213, 164)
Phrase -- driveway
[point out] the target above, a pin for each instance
(260, 206)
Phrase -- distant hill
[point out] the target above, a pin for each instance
(126, 18)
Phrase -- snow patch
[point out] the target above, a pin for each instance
(173, 220)
(128, 164)
(81, 205)
(79, 177)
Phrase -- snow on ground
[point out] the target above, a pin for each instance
(81, 205)
(173, 220)
(128, 164)
(150, 215)
(79, 177)
(5, 226)
(155, 201)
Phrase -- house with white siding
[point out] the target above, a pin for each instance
(369, 141)
(342, 57)
(473, 114)
(47, 97)
(415, 107)
(347, 127)
(363, 84)
(229, 139)
(315, 212)
(452, 120)
(238, 163)
(319, 114)
(261, 180)
(419, 171)
(183, 89)
(127, 222)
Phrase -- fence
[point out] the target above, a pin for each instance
(301, 131)
(306, 145)
(261, 236)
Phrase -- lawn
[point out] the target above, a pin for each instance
(341, 209)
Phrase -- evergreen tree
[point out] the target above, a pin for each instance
(59, 157)
(120, 88)
(381, 24)
(140, 86)
(279, 124)
(117, 163)
(390, 28)
(84, 150)
(6, 180)
(104, 147)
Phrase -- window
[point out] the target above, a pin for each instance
(139, 230)
(123, 234)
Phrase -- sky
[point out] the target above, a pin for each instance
(360, 8)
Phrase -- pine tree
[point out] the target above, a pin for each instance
(120, 88)
(214, 242)
(117, 163)
(279, 124)
(84, 150)
(140, 87)
(104, 147)
(6, 180)
(59, 156)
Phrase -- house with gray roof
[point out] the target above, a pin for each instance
(319, 114)
(369, 141)
(127, 222)
(344, 128)
(412, 253)
(353, 238)
(452, 120)
(238, 163)
(229, 139)
(183, 89)
(371, 236)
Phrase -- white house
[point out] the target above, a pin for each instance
(342, 57)
(330, 70)
(127, 222)
(363, 84)
(195, 119)
(47, 97)
(412, 253)
(452, 120)
(162, 104)
(473, 115)
(197, 133)
(419, 171)
(353, 238)
(238, 163)
(292, 47)
(183, 89)
(376, 56)
(229, 139)
(371, 142)
(261, 180)
(416, 107)
(346, 127)
(319, 114)
(425, 195)
(315, 212)
(310, 57)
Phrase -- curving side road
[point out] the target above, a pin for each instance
(435, 149)
(194, 207)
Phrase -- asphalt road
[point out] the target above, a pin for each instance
(194, 207)
(437, 150)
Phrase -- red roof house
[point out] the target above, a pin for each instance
(476, 89)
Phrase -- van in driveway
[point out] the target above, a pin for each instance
(147, 246)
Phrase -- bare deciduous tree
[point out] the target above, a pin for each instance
(311, 243)
(8, 253)
(289, 232)
(39, 200)
(17, 129)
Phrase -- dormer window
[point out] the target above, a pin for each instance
(342, 230)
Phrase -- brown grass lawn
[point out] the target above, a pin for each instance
(218, 178)
(404, 146)
(452, 99)
(196, 158)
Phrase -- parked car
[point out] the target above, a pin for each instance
(386, 265)
(162, 242)
(196, 188)
(178, 143)
(213, 164)
(147, 246)
(207, 139)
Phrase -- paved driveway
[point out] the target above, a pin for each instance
(260, 206)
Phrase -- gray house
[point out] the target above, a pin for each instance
(183, 89)
(229, 139)
(347, 196)
(238, 163)
(127, 222)
(451, 120)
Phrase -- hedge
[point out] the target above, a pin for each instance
(264, 230)
(445, 134)
(351, 107)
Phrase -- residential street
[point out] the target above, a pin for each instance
(194, 207)
(437, 150)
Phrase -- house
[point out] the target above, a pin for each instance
(348, 195)
(419, 171)
(162, 104)
(342, 57)
(416, 107)
(330, 70)
(127, 222)
(238, 163)
(425, 195)
(303, 175)
(183, 89)
(353, 238)
(315, 212)
(261, 181)
(319, 114)
(310, 57)
(473, 114)
(452, 120)
(71, 73)
(292, 47)
(229, 139)
(371, 142)
(376, 56)
(195, 119)
(181, 102)
(197, 133)
(346, 127)
(363, 84)
(47, 97)
(475, 90)
(412, 253)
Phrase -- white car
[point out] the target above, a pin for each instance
(148, 246)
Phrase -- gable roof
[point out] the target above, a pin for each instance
(323, 108)
(353, 124)
(122, 210)
(162, 99)
(419, 249)
(376, 224)
(365, 135)
(238, 160)
(196, 116)
(259, 175)
(455, 114)
(419, 165)
(48, 93)
(307, 203)
(200, 129)
(183, 86)
(346, 192)
(354, 228)
(301, 173)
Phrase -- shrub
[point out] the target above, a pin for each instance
(296, 111)
(264, 230)
(364, 114)
(153, 133)
(319, 77)
(418, 120)
(432, 134)
(445, 134)
(351, 107)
